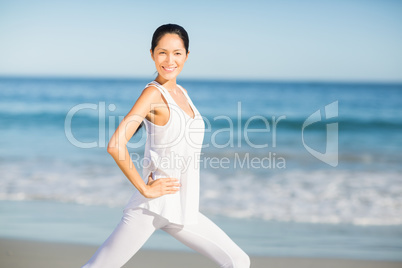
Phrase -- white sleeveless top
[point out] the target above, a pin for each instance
(173, 150)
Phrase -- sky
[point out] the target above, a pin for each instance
(289, 40)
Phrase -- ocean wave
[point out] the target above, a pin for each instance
(315, 196)
(320, 196)
(89, 118)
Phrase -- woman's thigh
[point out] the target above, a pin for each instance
(134, 229)
(211, 241)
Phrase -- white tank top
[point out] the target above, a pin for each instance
(173, 150)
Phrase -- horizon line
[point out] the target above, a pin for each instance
(207, 79)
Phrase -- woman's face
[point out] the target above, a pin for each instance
(169, 56)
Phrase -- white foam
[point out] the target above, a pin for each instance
(322, 196)
(316, 196)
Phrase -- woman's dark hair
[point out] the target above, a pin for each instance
(159, 33)
(169, 29)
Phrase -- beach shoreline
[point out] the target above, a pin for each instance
(57, 191)
(18, 253)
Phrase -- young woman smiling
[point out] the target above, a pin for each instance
(169, 198)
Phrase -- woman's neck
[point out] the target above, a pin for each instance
(170, 85)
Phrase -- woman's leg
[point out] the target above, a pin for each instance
(211, 241)
(134, 229)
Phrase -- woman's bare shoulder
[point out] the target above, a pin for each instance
(151, 93)
(151, 90)
(185, 90)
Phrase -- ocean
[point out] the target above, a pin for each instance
(289, 169)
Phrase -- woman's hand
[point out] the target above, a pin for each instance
(162, 186)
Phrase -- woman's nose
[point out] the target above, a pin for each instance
(169, 59)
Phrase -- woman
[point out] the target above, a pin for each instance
(169, 198)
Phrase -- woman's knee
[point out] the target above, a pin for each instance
(241, 260)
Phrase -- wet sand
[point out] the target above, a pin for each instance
(22, 253)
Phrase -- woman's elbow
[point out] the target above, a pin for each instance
(113, 150)
(116, 147)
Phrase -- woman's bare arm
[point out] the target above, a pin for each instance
(117, 147)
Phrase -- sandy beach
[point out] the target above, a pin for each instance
(33, 254)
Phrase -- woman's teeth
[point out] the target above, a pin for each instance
(169, 69)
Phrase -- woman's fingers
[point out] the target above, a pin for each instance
(172, 185)
(169, 183)
(172, 182)
(162, 186)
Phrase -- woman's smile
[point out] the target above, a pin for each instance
(169, 69)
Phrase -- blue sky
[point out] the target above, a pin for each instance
(309, 40)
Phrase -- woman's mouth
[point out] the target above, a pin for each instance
(169, 69)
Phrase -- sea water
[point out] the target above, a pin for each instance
(292, 169)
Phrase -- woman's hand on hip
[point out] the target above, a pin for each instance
(162, 186)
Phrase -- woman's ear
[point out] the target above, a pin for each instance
(152, 54)
(188, 52)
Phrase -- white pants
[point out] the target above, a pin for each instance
(138, 224)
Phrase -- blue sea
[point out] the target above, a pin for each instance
(288, 169)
